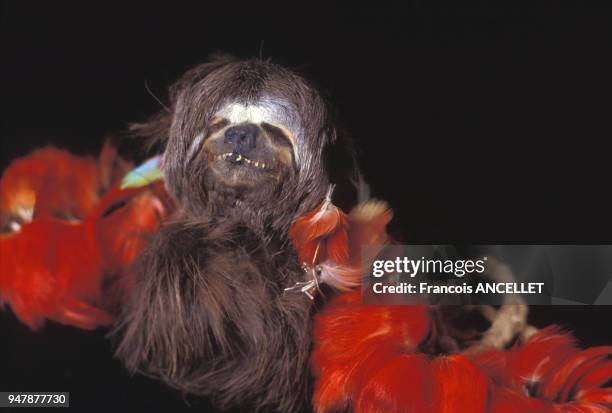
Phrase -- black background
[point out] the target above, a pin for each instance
(478, 125)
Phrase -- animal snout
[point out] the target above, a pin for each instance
(242, 138)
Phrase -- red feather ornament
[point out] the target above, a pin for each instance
(514, 401)
(329, 242)
(50, 270)
(56, 269)
(352, 341)
(459, 386)
(401, 384)
(53, 183)
(365, 357)
(322, 234)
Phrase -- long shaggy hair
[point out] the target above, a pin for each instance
(248, 148)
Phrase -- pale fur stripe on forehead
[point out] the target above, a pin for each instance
(238, 113)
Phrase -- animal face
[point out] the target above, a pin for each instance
(251, 145)
(245, 139)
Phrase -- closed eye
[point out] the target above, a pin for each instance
(277, 135)
(215, 126)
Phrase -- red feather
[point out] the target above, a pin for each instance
(350, 336)
(321, 234)
(579, 408)
(597, 396)
(125, 222)
(401, 384)
(54, 269)
(50, 270)
(334, 240)
(366, 227)
(543, 353)
(364, 359)
(514, 401)
(597, 376)
(459, 386)
(52, 182)
(561, 383)
(495, 364)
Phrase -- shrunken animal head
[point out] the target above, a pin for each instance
(247, 139)
(248, 148)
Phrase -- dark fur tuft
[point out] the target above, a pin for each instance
(211, 318)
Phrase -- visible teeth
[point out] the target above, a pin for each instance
(239, 157)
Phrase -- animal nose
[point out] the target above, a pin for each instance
(242, 136)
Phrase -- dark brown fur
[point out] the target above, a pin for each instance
(209, 315)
